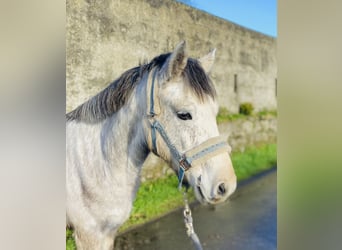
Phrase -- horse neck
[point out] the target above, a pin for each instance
(127, 143)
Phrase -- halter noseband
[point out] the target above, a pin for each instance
(196, 155)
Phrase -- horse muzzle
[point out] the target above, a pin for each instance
(214, 181)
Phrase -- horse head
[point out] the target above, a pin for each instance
(181, 125)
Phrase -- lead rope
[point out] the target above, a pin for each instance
(188, 223)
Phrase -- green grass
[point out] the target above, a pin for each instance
(254, 160)
(224, 115)
(156, 198)
(230, 117)
(70, 243)
(267, 112)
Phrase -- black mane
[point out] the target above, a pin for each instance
(113, 97)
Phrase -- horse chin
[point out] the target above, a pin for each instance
(200, 196)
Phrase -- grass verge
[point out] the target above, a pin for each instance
(70, 242)
(224, 115)
(254, 160)
(156, 198)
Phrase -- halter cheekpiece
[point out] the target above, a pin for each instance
(198, 154)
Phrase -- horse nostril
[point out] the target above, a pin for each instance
(221, 189)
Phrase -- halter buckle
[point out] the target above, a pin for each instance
(184, 163)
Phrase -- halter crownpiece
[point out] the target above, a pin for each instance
(198, 154)
(153, 106)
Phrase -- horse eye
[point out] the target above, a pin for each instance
(184, 116)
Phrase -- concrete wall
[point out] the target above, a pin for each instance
(243, 133)
(105, 38)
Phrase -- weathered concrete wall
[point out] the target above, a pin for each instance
(243, 133)
(105, 38)
(240, 133)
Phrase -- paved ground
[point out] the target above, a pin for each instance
(247, 222)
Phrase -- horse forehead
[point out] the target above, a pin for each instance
(175, 89)
(178, 92)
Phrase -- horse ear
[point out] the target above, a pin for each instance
(176, 63)
(207, 61)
